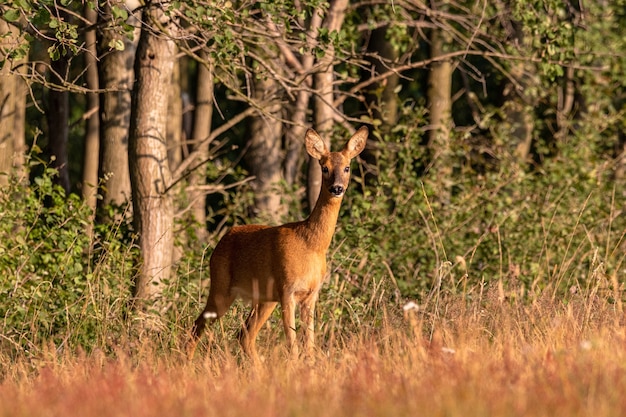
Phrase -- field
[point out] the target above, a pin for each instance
(492, 356)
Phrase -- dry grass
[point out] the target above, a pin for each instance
(489, 357)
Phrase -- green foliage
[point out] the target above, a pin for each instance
(51, 289)
(553, 227)
(405, 232)
(49, 22)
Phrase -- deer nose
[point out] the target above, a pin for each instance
(336, 190)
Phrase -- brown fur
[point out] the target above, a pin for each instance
(284, 264)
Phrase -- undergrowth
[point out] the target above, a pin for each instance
(555, 231)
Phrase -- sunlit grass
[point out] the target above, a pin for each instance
(491, 356)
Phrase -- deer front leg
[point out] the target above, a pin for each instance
(307, 313)
(288, 305)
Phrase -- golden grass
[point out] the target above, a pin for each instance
(483, 358)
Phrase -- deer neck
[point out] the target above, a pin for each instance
(320, 226)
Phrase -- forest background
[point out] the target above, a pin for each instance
(133, 135)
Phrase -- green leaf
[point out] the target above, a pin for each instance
(119, 13)
(116, 44)
(12, 15)
(54, 52)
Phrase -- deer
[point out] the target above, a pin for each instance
(283, 264)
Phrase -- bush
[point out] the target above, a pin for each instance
(552, 225)
(54, 290)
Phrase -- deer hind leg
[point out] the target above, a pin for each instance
(216, 307)
(258, 316)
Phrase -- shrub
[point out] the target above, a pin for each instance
(54, 290)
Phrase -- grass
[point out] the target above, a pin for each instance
(493, 356)
(553, 346)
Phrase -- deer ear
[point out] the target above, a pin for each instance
(357, 142)
(315, 146)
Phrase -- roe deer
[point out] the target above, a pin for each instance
(286, 264)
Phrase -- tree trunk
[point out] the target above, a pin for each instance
(149, 169)
(517, 127)
(19, 131)
(385, 108)
(57, 114)
(175, 120)
(201, 130)
(565, 107)
(116, 76)
(440, 111)
(264, 153)
(324, 83)
(383, 102)
(294, 134)
(8, 106)
(92, 135)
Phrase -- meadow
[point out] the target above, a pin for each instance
(505, 301)
(493, 356)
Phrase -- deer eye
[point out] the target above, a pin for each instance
(325, 170)
(346, 169)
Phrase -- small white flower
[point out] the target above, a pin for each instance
(411, 305)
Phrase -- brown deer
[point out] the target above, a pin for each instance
(283, 264)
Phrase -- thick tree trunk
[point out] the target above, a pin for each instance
(264, 154)
(92, 129)
(149, 168)
(201, 131)
(324, 87)
(116, 76)
(175, 120)
(440, 112)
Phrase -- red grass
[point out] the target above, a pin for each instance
(492, 359)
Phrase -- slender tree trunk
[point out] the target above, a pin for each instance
(201, 130)
(324, 87)
(294, 133)
(149, 169)
(386, 105)
(565, 104)
(57, 114)
(116, 75)
(518, 107)
(8, 106)
(518, 129)
(19, 132)
(264, 154)
(383, 102)
(440, 111)
(92, 135)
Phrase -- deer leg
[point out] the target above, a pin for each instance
(258, 316)
(216, 307)
(307, 313)
(288, 305)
